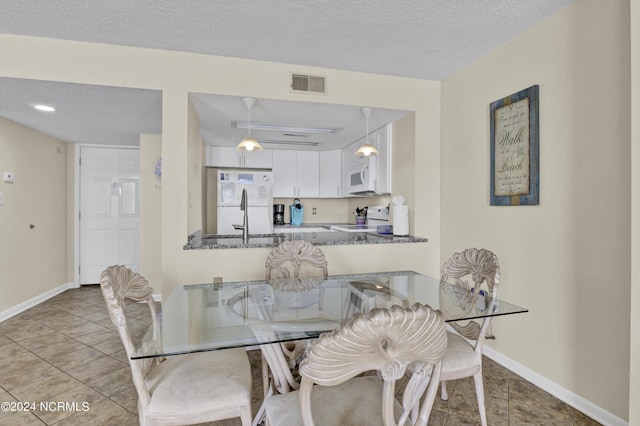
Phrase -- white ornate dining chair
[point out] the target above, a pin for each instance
(289, 260)
(387, 340)
(464, 359)
(286, 260)
(183, 389)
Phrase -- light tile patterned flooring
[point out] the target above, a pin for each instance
(65, 350)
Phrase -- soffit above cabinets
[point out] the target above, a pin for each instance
(218, 115)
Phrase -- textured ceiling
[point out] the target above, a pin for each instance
(84, 113)
(427, 39)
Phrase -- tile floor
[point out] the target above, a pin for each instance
(65, 350)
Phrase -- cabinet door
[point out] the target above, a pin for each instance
(347, 162)
(349, 158)
(331, 173)
(224, 156)
(308, 173)
(284, 173)
(258, 159)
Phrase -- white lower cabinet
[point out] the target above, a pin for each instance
(296, 173)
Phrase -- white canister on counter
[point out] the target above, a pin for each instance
(401, 220)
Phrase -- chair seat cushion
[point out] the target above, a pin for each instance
(459, 359)
(199, 383)
(355, 402)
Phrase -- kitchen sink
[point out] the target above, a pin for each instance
(353, 228)
(291, 230)
(232, 239)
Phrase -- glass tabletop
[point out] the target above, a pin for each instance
(238, 314)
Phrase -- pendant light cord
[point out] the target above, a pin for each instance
(367, 138)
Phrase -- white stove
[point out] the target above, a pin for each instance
(376, 215)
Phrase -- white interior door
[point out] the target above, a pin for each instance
(109, 210)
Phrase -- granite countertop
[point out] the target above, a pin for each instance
(198, 240)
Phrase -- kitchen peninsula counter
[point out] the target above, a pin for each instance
(200, 241)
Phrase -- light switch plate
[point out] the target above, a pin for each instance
(9, 177)
(1, 199)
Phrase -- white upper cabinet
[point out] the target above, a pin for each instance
(310, 174)
(284, 173)
(331, 174)
(227, 156)
(295, 173)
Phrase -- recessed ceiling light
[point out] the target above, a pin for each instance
(45, 108)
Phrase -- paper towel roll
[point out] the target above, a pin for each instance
(401, 220)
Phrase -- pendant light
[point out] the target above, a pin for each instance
(366, 149)
(249, 143)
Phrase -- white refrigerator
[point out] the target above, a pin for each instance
(259, 186)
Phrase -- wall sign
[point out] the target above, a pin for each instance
(515, 171)
(157, 170)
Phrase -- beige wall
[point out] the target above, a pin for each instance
(32, 261)
(178, 74)
(328, 210)
(269, 80)
(634, 392)
(196, 197)
(150, 213)
(567, 260)
(404, 167)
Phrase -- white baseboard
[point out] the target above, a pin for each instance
(35, 300)
(5, 315)
(579, 403)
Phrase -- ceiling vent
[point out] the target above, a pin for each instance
(302, 83)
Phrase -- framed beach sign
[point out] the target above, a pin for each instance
(515, 168)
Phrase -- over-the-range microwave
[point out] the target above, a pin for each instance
(362, 177)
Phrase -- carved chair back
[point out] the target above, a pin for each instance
(292, 255)
(119, 284)
(387, 340)
(482, 268)
(285, 261)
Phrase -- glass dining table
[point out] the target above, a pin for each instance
(266, 315)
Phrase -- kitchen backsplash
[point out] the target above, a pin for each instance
(331, 210)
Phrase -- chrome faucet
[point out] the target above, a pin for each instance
(245, 225)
